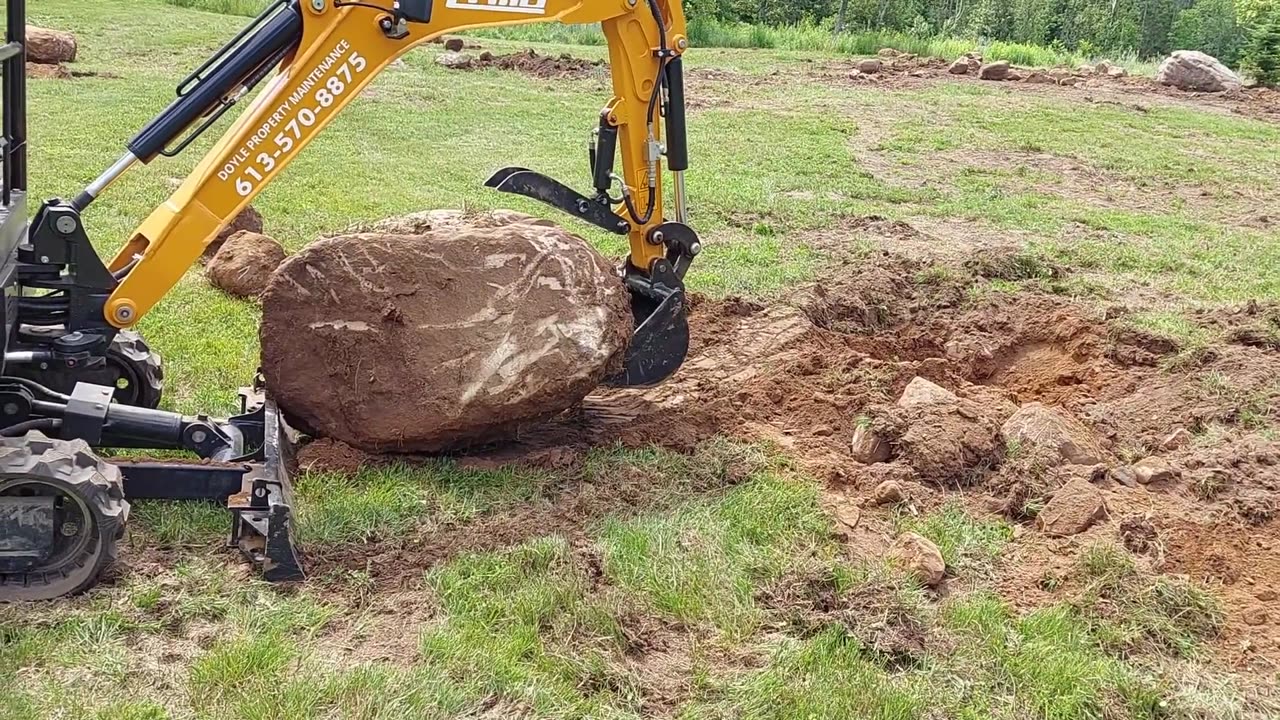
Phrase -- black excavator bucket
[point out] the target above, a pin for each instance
(661, 339)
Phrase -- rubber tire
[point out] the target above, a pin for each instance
(73, 467)
(129, 346)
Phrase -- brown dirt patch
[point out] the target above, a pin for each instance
(531, 63)
(804, 371)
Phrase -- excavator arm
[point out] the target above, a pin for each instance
(325, 52)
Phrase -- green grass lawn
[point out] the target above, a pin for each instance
(696, 602)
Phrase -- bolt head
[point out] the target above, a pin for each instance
(44, 258)
(695, 248)
(69, 529)
(11, 408)
(66, 225)
(199, 436)
(683, 44)
(317, 5)
(124, 313)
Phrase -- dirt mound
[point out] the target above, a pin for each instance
(531, 63)
(426, 342)
(248, 219)
(243, 266)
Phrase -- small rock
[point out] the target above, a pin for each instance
(1117, 72)
(1256, 616)
(888, 53)
(249, 219)
(1102, 68)
(848, 515)
(869, 448)
(244, 265)
(870, 66)
(888, 492)
(1013, 76)
(1085, 69)
(1070, 81)
(50, 47)
(959, 67)
(1179, 438)
(1124, 475)
(1040, 426)
(920, 558)
(1073, 508)
(998, 70)
(922, 392)
(486, 56)
(453, 45)
(1267, 595)
(1153, 470)
(454, 60)
(821, 431)
(1038, 78)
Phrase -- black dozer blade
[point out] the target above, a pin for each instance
(253, 482)
(530, 184)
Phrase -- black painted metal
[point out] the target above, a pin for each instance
(15, 101)
(661, 339)
(244, 61)
(677, 136)
(181, 481)
(530, 184)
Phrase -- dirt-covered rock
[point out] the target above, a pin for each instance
(1072, 509)
(455, 60)
(920, 392)
(998, 70)
(248, 219)
(868, 447)
(1040, 426)
(959, 67)
(50, 47)
(920, 558)
(243, 266)
(1195, 71)
(946, 443)
(888, 492)
(1153, 469)
(440, 340)
(454, 44)
(870, 66)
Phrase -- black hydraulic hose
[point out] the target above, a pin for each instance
(38, 389)
(23, 428)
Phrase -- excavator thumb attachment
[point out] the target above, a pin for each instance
(521, 181)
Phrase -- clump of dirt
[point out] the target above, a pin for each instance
(531, 63)
(807, 600)
(951, 444)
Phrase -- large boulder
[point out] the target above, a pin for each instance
(439, 340)
(243, 266)
(50, 47)
(1196, 71)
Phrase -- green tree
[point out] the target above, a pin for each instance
(1209, 26)
(1262, 52)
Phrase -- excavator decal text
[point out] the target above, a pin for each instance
(247, 170)
(529, 7)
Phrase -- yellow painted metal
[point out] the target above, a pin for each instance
(341, 50)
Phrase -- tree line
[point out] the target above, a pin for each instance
(1148, 28)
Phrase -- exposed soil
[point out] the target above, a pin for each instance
(1133, 92)
(803, 372)
(531, 63)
